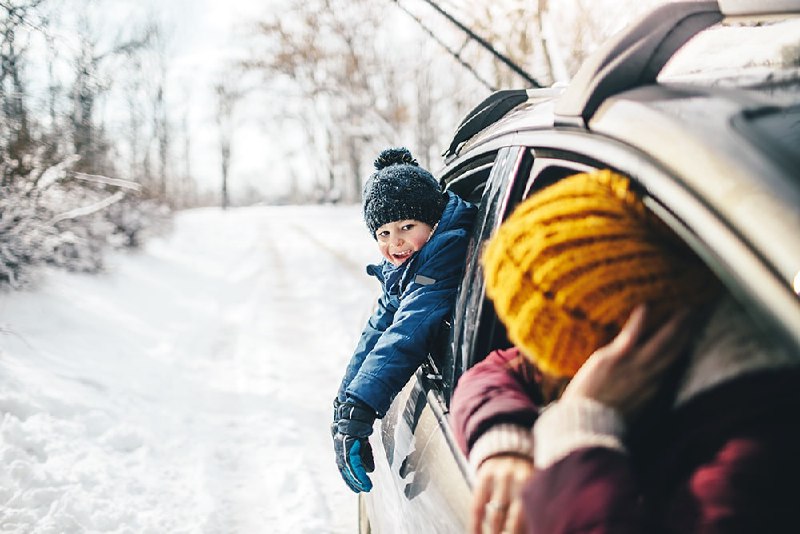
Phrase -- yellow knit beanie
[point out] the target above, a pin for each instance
(572, 262)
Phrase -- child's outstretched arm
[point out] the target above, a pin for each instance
(377, 324)
(426, 302)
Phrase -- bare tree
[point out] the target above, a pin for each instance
(185, 193)
(351, 75)
(227, 97)
(318, 51)
(548, 39)
(352, 78)
(16, 19)
(60, 200)
(160, 119)
(92, 80)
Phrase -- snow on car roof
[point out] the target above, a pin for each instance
(742, 53)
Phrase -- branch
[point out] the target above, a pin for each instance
(116, 182)
(55, 172)
(484, 43)
(456, 54)
(88, 210)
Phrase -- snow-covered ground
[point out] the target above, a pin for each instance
(188, 389)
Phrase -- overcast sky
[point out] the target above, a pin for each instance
(208, 34)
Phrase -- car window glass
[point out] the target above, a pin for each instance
(752, 330)
(546, 171)
(476, 327)
(776, 131)
(469, 181)
(491, 333)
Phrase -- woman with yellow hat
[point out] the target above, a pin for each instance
(678, 415)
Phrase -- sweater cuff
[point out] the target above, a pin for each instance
(577, 423)
(504, 438)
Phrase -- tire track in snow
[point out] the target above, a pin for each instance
(209, 377)
(237, 478)
(289, 250)
(275, 257)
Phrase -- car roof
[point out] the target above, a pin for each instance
(634, 58)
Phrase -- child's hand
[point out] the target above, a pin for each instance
(351, 446)
(627, 373)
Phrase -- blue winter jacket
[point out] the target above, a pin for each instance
(417, 297)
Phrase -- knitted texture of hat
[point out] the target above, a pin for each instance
(400, 189)
(570, 264)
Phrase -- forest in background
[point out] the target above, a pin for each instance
(96, 149)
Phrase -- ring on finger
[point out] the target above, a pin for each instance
(496, 506)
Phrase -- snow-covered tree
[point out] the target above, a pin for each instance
(63, 200)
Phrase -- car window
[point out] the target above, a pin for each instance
(490, 333)
(547, 170)
(469, 180)
(776, 131)
(471, 309)
(765, 331)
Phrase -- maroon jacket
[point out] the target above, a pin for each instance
(727, 461)
(499, 389)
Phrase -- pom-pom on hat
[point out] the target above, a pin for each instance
(570, 264)
(400, 189)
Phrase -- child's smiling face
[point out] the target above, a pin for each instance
(398, 240)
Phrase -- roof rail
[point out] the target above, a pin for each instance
(633, 57)
(490, 110)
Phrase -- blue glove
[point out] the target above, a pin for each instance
(351, 446)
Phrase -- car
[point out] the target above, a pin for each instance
(699, 104)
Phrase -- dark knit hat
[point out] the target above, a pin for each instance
(400, 189)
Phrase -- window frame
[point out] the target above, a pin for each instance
(746, 274)
(741, 269)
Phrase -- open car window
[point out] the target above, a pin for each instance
(541, 171)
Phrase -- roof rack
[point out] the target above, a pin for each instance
(490, 110)
(633, 57)
(493, 108)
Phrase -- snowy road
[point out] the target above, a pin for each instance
(188, 389)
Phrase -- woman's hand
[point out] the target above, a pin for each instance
(627, 373)
(496, 506)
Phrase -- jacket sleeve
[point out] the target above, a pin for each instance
(377, 324)
(501, 389)
(403, 346)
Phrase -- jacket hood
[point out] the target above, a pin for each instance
(458, 213)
